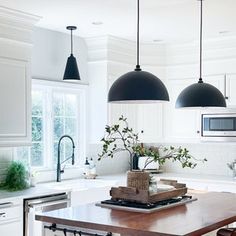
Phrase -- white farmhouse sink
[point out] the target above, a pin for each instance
(81, 184)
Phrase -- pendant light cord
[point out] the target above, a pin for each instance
(71, 41)
(201, 26)
(137, 66)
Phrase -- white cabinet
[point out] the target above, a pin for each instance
(90, 195)
(11, 218)
(129, 111)
(14, 103)
(227, 85)
(230, 83)
(150, 123)
(146, 119)
(15, 89)
(181, 125)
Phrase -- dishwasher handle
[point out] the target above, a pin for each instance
(48, 206)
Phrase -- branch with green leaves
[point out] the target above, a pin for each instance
(161, 154)
(120, 137)
(117, 138)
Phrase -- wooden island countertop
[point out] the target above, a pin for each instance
(211, 211)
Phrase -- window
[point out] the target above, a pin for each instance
(57, 109)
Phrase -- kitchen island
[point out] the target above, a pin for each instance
(211, 211)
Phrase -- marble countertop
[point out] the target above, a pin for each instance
(106, 180)
(47, 188)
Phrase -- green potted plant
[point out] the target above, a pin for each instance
(120, 137)
(16, 177)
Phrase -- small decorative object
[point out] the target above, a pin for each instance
(120, 137)
(92, 167)
(232, 167)
(89, 169)
(33, 178)
(138, 179)
(86, 167)
(16, 178)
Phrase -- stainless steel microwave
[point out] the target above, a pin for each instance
(218, 127)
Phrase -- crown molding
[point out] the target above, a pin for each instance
(16, 25)
(120, 50)
(213, 50)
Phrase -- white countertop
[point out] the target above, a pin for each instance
(109, 180)
(48, 188)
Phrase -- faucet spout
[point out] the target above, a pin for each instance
(72, 157)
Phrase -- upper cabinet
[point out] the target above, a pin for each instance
(227, 85)
(230, 88)
(150, 123)
(15, 80)
(180, 125)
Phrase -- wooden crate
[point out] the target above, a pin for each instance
(144, 196)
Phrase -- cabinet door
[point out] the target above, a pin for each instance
(217, 81)
(14, 103)
(90, 195)
(129, 111)
(180, 124)
(11, 228)
(150, 123)
(230, 90)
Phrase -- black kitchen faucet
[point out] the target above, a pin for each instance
(72, 157)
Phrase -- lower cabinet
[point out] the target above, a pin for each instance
(11, 218)
(89, 195)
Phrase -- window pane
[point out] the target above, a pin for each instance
(37, 154)
(70, 104)
(37, 129)
(65, 122)
(58, 128)
(37, 103)
(70, 127)
(58, 104)
(23, 154)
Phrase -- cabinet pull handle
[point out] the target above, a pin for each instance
(2, 214)
(6, 204)
(226, 97)
(142, 131)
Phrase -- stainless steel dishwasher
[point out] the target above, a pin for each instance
(38, 205)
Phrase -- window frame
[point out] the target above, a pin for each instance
(49, 87)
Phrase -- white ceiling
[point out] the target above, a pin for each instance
(167, 20)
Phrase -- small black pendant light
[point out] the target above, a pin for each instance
(200, 94)
(137, 86)
(71, 71)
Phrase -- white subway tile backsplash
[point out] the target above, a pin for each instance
(6, 156)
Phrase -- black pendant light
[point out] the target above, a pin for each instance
(137, 86)
(71, 71)
(200, 94)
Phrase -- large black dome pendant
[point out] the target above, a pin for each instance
(137, 86)
(200, 94)
(71, 70)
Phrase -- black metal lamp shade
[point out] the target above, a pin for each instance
(138, 85)
(200, 95)
(71, 71)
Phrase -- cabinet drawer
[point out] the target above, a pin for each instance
(10, 213)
